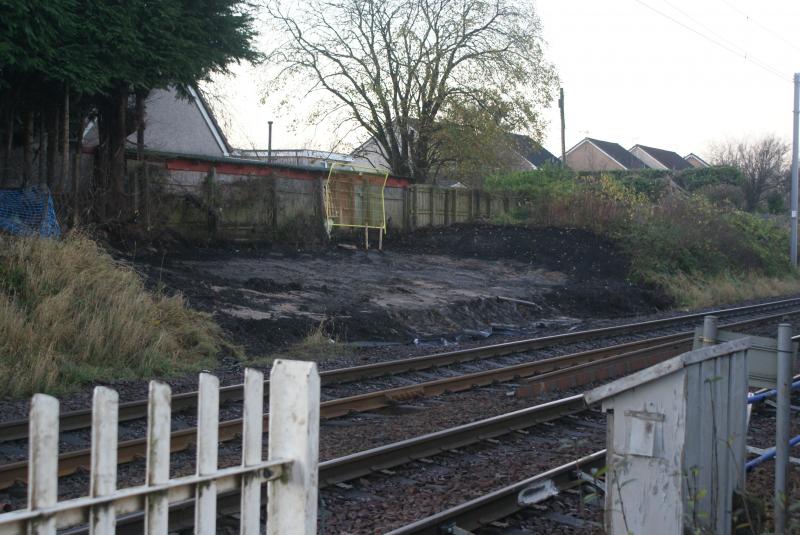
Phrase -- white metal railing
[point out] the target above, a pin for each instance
(290, 470)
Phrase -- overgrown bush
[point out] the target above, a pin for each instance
(700, 177)
(70, 314)
(672, 235)
(652, 183)
(723, 195)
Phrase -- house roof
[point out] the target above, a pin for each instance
(533, 151)
(695, 156)
(189, 112)
(618, 153)
(211, 119)
(667, 158)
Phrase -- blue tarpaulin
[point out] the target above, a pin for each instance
(28, 212)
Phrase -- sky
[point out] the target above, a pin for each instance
(675, 74)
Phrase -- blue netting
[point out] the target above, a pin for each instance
(28, 212)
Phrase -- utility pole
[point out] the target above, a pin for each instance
(782, 425)
(796, 134)
(269, 143)
(563, 142)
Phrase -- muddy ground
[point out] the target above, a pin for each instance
(433, 284)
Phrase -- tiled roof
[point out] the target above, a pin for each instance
(617, 152)
(533, 151)
(669, 159)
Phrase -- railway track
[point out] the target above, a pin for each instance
(356, 465)
(134, 410)
(550, 374)
(502, 502)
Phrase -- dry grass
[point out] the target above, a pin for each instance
(697, 292)
(70, 314)
(317, 346)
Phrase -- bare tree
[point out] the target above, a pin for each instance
(395, 68)
(762, 161)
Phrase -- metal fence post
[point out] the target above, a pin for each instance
(709, 331)
(783, 386)
(294, 434)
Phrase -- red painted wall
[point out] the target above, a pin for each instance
(246, 169)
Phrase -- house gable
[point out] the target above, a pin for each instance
(181, 126)
(659, 158)
(696, 161)
(646, 158)
(596, 155)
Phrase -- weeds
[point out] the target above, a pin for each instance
(702, 251)
(317, 346)
(70, 314)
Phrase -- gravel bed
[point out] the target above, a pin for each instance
(76, 440)
(454, 478)
(371, 505)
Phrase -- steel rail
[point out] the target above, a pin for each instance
(360, 464)
(557, 368)
(133, 410)
(500, 503)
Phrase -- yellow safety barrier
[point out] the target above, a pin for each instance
(354, 197)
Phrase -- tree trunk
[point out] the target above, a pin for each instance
(100, 188)
(7, 146)
(140, 110)
(27, 150)
(64, 142)
(52, 145)
(76, 170)
(117, 135)
(138, 202)
(42, 179)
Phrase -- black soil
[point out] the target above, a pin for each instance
(598, 271)
(433, 283)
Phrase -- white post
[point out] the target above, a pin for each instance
(709, 331)
(105, 404)
(205, 510)
(252, 440)
(158, 436)
(782, 424)
(43, 461)
(294, 435)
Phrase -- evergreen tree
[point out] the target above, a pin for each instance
(62, 56)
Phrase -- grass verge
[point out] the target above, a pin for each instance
(699, 291)
(70, 314)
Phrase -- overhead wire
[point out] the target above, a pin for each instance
(760, 25)
(743, 54)
(722, 38)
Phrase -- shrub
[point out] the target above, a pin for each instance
(667, 234)
(540, 185)
(723, 195)
(71, 314)
(696, 178)
(776, 202)
(652, 183)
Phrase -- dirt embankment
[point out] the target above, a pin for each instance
(429, 284)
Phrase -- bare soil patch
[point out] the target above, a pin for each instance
(429, 284)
